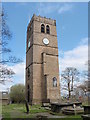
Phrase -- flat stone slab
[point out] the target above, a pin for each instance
(56, 107)
(47, 115)
(86, 117)
(87, 109)
(71, 111)
(46, 105)
(67, 104)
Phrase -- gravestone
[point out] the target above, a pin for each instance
(56, 107)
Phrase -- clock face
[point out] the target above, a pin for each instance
(45, 41)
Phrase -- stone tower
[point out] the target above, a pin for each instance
(42, 67)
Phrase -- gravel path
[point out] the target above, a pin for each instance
(48, 115)
(0, 117)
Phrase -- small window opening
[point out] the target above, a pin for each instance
(54, 82)
(42, 28)
(47, 29)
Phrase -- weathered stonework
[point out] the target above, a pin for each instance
(42, 62)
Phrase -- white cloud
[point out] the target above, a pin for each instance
(76, 57)
(84, 41)
(19, 70)
(64, 8)
(47, 8)
(19, 76)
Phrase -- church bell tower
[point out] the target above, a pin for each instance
(42, 67)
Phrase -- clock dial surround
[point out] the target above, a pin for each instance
(45, 41)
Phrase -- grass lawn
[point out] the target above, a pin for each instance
(0, 108)
(68, 117)
(19, 111)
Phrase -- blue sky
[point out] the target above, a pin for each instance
(72, 31)
(72, 23)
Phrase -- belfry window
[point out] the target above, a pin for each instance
(54, 82)
(47, 29)
(42, 28)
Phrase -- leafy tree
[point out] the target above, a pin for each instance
(17, 93)
(69, 75)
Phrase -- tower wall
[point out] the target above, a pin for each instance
(42, 60)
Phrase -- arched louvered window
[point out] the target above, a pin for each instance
(54, 82)
(42, 28)
(47, 29)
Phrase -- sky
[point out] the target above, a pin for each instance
(72, 32)
(45, 0)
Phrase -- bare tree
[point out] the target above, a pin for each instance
(6, 74)
(84, 87)
(69, 75)
(5, 36)
(86, 74)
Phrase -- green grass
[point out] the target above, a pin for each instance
(19, 111)
(0, 108)
(75, 116)
(86, 103)
(68, 117)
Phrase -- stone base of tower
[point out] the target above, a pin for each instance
(35, 102)
(54, 101)
(40, 102)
